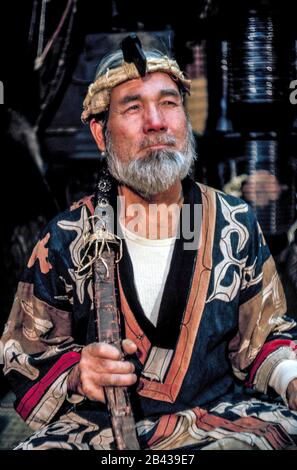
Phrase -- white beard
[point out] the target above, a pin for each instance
(157, 171)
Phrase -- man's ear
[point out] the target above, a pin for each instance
(97, 131)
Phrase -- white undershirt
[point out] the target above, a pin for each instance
(151, 261)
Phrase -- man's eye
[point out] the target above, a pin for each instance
(134, 107)
(169, 103)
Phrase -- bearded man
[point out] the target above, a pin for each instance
(201, 307)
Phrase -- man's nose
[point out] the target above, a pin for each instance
(154, 120)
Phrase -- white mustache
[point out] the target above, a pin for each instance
(157, 140)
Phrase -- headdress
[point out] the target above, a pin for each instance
(127, 64)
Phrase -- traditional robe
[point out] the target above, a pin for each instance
(203, 370)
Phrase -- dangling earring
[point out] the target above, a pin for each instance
(103, 154)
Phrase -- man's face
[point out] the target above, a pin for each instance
(148, 138)
(146, 115)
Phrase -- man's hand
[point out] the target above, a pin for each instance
(100, 365)
(292, 394)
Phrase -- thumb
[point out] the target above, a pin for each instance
(129, 346)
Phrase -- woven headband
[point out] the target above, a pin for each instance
(98, 96)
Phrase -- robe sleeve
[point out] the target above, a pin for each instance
(266, 336)
(37, 345)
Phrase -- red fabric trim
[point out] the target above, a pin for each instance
(164, 429)
(267, 349)
(34, 394)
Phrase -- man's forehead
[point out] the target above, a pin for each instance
(151, 83)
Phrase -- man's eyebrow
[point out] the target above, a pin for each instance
(170, 92)
(128, 98)
(163, 93)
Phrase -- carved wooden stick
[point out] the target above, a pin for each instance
(108, 330)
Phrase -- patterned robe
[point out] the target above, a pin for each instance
(203, 370)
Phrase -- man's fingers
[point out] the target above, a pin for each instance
(108, 351)
(102, 350)
(293, 400)
(118, 380)
(92, 392)
(129, 346)
(116, 367)
(100, 366)
(91, 383)
(293, 405)
(292, 394)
